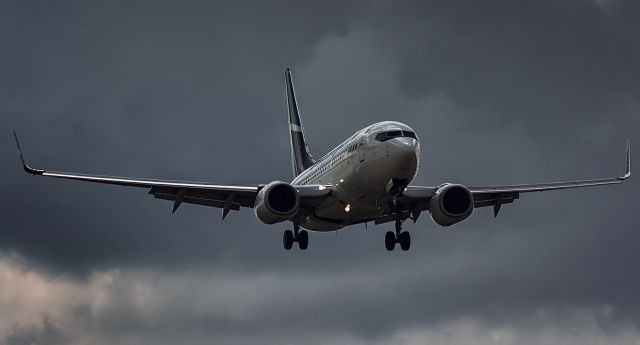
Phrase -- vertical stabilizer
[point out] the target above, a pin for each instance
(300, 157)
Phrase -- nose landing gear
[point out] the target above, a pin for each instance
(402, 237)
(297, 235)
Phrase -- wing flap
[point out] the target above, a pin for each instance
(197, 201)
(240, 197)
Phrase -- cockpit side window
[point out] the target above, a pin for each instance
(409, 134)
(384, 136)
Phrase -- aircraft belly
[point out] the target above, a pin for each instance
(333, 216)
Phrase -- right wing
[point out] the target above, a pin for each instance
(227, 197)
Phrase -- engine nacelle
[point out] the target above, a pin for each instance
(450, 204)
(277, 202)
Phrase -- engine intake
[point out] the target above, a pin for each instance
(277, 202)
(450, 204)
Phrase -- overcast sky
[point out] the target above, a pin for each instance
(499, 92)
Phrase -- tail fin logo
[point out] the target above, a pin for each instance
(295, 127)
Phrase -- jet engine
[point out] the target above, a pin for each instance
(450, 204)
(277, 202)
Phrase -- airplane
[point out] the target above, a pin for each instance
(364, 179)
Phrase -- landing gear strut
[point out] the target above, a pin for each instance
(297, 235)
(402, 237)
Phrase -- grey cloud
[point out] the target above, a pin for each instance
(212, 306)
(499, 92)
(110, 88)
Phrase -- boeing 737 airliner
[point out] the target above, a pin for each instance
(364, 179)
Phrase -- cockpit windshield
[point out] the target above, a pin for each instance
(384, 136)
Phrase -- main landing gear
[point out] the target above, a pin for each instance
(402, 237)
(297, 235)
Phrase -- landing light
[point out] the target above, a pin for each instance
(322, 187)
(347, 208)
(341, 180)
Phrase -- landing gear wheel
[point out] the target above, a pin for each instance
(390, 240)
(405, 240)
(303, 239)
(287, 239)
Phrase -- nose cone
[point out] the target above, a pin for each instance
(404, 154)
(404, 144)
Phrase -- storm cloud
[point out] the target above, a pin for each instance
(499, 92)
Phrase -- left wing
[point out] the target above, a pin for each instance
(227, 197)
(415, 199)
(497, 195)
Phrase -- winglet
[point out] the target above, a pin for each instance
(26, 166)
(627, 170)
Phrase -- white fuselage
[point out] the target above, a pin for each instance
(360, 171)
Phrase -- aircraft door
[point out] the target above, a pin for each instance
(361, 154)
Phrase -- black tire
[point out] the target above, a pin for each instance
(287, 239)
(390, 240)
(303, 239)
(405, 240)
